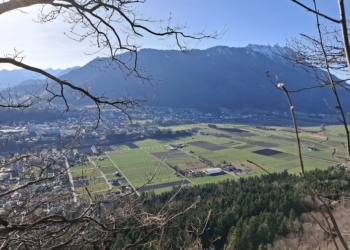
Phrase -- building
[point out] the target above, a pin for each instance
(214, 171)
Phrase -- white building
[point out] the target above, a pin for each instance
(213, 171)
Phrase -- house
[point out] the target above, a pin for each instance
(312, 149)
(94, 150)
(115, 182)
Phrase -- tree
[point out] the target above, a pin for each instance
(329, 51)
(36, 215)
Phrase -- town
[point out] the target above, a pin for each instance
(66, 155)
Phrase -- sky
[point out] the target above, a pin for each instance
(265, 22)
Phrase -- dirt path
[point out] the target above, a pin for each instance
(103, 175)
(163, 163)
(71, 179)
(123, 175)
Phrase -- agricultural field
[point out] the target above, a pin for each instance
(81, 167)
(90, 176)
(159, 165)
(142, 168)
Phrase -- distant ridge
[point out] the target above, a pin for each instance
(15, 77)
(210, 79)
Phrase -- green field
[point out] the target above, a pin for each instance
(153, 160)
(108, 170)
(212, 179)
(104, 163)
(139, 168)
(82, 167)
(88, 173)
(91, 189)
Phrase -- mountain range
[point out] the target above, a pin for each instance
(17, 76)
(218, 77)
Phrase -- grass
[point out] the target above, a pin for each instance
(131, 157)
(192, 165)
(181, 160)
(212, 179)
(91, 188)
(160, 174)
(162, 190)
(325, 154)
(95, 181)
(109, 170)
(288, 166)
(148, 143)
(157, 149)
(139, 166)
(184, 127)
(111, 177)
(335, 130)
(88, 173)
(104, 163)
(81, 167)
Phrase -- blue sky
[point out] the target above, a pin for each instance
(247, 22)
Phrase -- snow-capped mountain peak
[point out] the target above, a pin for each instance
(269, 51)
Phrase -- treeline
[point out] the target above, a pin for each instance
(245, 214)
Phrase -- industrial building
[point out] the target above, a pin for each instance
(214, 171)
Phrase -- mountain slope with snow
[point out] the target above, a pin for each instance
(214, 78)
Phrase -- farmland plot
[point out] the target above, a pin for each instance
(274, 149)
(139, 167)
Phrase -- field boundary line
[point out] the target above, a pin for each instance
(123, 175)
(307, 156)
(168, 166)
(103, 175)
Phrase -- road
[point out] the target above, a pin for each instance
(103, 175)
(123, 175)
(70, 179)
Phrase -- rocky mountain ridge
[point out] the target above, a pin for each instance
(218, 77)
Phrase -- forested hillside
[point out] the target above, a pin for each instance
(210, 79)
(245, 214)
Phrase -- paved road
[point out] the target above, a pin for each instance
(71, 180)
(123, 175)
(103, 175)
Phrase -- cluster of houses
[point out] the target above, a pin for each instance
(310, 148)
(207, 172)
(212, 171)
(231, 168)
(175, 146)
(48, 178)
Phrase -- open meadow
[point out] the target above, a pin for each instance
(158, 165)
